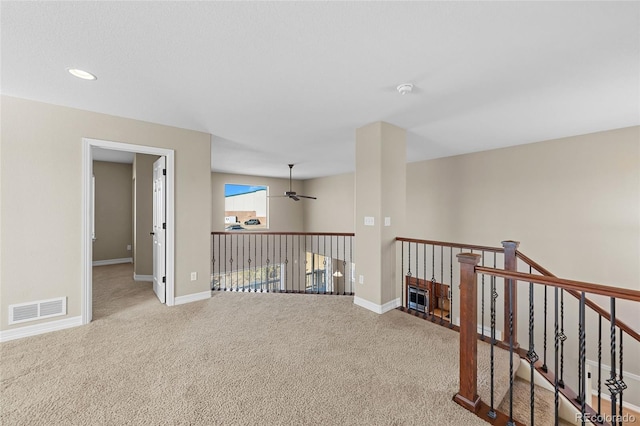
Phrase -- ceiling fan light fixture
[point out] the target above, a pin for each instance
(405, 88)
(85, 75)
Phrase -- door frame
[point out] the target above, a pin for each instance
(87, 217)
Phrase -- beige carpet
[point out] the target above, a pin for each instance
(234, 359)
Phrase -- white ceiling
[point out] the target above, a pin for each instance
(289, 82)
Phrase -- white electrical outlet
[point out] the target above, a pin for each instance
(194, 276)
(361, 279)
(128, 247)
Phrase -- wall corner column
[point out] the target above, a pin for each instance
(380, 203)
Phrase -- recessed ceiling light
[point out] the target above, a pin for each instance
(85, 75)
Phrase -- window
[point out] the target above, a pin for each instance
(245, 207)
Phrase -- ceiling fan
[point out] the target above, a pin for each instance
(291, 193)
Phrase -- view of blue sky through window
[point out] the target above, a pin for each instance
(233, 189)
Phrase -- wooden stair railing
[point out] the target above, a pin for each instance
(469, 268)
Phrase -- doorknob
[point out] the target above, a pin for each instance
(152, 233)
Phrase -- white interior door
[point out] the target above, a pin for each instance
(159, 229)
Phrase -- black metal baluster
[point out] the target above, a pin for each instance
(450, 287)
(255, 264)
(344, 264)
(482, 308)
(244, 262)
(405, 297)
(544, 359)
(509, 295)
(268, 270)
(286, 264)
(225, 263)
(231, 261)
(425, 312)
(613, 382)
(531, 354)
(324, 262)
(556, 327)
(599, 365)
(582, 347)
(248, 262)
(213, 261)
(333, 281)
(441, 300)
(622, 384)
(409, 277)
(300, 265)
(417, 274)
(494, 296)
(563, 337)
(434, 292)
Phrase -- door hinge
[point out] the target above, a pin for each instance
(164, 172)
(164, 226)
(164, 279)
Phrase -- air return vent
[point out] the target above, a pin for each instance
(31, 311)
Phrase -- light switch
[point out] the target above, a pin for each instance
(369, 221)
(387, 221)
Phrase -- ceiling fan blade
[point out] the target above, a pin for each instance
(294, 197)
(307, 196)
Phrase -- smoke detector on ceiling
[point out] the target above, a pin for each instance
(403, 89)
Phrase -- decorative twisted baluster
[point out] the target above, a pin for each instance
(556, 328)
(494, 296)
(623, 385)
(509, 295)
(582, 360)
(563, 338)
(544, 360)
(531, 354)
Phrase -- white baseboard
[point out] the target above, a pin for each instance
(34, 330)
(112, 261)
(180, 300)
(137, 277)
(374, 307)
(607, 397)
(487, 330)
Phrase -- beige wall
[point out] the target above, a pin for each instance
(285, 215)
(574, 203)
(143, 213)
(41, 173)
(113, 207)
(334, 210)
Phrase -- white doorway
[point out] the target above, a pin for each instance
(168, 220)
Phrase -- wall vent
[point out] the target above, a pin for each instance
(22, 312)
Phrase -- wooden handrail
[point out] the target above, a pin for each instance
(603, 290)
(590, 303)
(250, 232)
(447, 244)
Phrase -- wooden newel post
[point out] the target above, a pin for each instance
(510, 264)
(467, 396)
